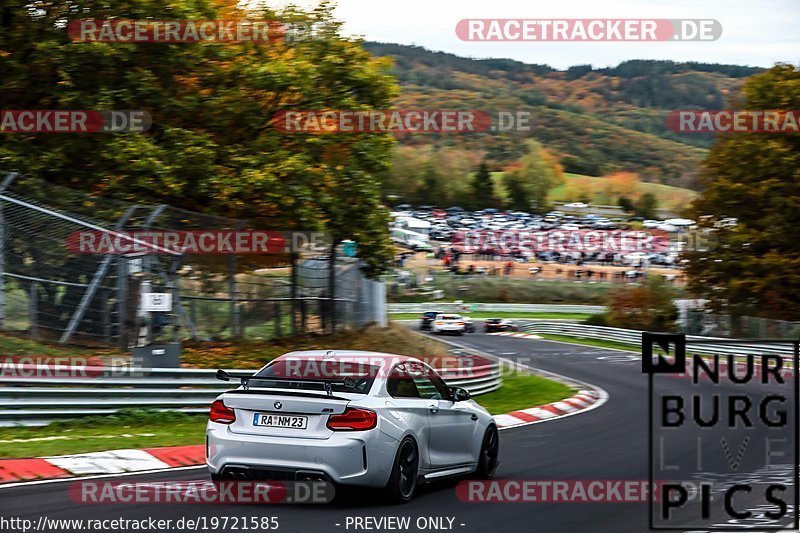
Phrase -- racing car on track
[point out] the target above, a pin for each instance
(350, 418)
(427, 319)
(491, 325)
(449, 323)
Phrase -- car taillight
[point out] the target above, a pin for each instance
(460, 323)
(353, 420)
(221, 413)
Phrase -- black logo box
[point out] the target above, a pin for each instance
(675, 346)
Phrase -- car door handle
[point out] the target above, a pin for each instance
(433, 408)
(474, 417)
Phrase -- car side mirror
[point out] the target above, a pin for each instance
(459, 394)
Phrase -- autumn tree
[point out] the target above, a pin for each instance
(645, 206)
(647, 307)
(213, 146)
(626, 204)
(529, 184)
(755, 267)
(482, 189)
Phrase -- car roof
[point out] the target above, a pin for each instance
(319, 355)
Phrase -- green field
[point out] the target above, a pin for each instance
(579, 187)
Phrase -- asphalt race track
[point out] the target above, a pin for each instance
(607, 443)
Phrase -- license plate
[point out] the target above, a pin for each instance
(280, 421)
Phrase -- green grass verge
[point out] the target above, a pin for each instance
(591, 342)
(150, 429)
(128, 429)
(11, 345)
(500, 314)
(520, 391)
(479, 289)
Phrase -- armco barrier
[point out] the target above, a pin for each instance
(451, 307)
(38, 400)
(634, 337)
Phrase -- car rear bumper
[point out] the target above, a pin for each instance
(450, 328)
(363, 458)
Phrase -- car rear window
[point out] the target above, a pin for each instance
(311, 374)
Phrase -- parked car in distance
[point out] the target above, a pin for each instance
(493, 325)
(449, 323)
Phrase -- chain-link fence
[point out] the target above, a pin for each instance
(699, 322)
(52, 288)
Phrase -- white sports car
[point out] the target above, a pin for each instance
(351, 418)
(449, 323)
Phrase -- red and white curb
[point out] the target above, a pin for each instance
(581, 401)
(111, 462)
(516, 334)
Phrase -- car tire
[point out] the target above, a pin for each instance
(490, 453)
(403, 480)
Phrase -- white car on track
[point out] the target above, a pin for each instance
(449, 323)
(351, 418)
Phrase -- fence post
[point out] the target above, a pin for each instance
(33, 309)
(232, 292)
(293, 289)
(10, 177)
(277, 312)
(104, 297)
(2, 268)
(97, 279)
(122, 298)
(303, 315)
(192, 311)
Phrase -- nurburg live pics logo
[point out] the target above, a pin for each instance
(726, 444)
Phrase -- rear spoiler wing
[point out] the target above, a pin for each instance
(326, 384)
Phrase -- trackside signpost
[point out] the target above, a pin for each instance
(722, 433)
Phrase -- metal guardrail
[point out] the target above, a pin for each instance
(634, 337)
(451, 307)
(36, 401)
